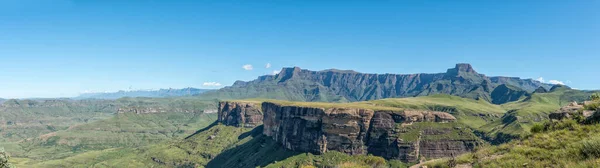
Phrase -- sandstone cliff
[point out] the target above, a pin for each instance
(240, 114)
(402, 135)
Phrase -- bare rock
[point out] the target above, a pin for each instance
(357, 131)
(240, 114)
(566, 112)
(424, 116)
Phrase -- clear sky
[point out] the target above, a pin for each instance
(60, 48)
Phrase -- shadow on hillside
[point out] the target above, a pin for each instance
(203, 129)
(259, 151)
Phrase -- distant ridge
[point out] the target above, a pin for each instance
(143, 93)
(334, 85)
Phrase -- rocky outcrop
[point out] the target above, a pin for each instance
(409, 116)
(150, 110)
(362, 131)
(566, 112)
(594, 117)
(240, 114)
(317, 130)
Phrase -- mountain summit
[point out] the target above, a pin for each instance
(345, 85)
(461, 69)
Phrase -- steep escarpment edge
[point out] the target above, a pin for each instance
(404, 135)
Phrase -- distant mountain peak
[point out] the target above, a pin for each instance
(540, 90)
(559, 86)
(170, 92)
(288, 73)
(461, 68)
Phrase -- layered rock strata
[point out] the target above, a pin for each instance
(352, 130)
(240, 114)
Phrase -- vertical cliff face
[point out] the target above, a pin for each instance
(240, 114)
(402, 135)
(317, 130)
(405, 135)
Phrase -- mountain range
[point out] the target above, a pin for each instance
(334, 85)
(143, 93)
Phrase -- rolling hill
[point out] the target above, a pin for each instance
(38, 130)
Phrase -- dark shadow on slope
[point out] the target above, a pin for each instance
(203, 129)
(259, 151)
(254, 133)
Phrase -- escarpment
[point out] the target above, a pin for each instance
(240, 114)
(317, 130)
(334, 85)
(404, 135)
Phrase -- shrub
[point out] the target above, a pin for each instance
(4, 159)
(595, 96)
(537, 128)
(590, 148)
(568, 124)
(375, 161)
(593, 106)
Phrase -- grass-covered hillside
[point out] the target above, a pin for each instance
(73, 127)
(559, 144)
(572, 142)
(523, 114)
(215, 146)
(22, 119)
(123, 130)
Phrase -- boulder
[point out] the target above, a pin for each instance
(594, 117)
(566, 112)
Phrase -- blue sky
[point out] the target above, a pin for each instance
(60, 48)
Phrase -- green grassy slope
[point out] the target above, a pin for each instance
(336, 159)
(26, 119)
(198, 149)
(521, 115)
(22, 119)
(180, 118)
(473, 113)
(216, 146)
(123, 130)
(562, 144)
